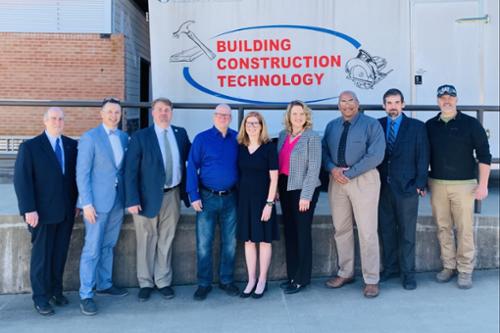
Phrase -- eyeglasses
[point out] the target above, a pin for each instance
(252, 123)
(222, 115)
(110, 100)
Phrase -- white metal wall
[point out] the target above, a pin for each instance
(89, 16)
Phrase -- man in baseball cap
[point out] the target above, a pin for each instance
(454, 137)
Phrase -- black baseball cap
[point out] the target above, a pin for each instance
(446, 89)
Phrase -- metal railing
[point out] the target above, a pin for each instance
(10, 143)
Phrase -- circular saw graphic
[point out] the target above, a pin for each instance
(366, 71)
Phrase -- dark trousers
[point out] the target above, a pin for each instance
(397, 227)
(50, 243)
(298, 240)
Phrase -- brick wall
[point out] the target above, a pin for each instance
(58, 67)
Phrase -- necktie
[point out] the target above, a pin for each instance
(58, 152)
(168, 160)
(342, 145)
(116, 146)
(391, 138)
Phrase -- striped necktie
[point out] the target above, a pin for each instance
(168, 160)
(392, 137)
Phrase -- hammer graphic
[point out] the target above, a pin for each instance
(184, 29)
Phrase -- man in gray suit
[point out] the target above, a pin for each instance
(99, 176)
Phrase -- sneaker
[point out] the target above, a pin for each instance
(167, 292)
(464, 280)
(201, 293)
(445, 275)
(113, 291)
(88, 307)
(230, 288)
(144, 293)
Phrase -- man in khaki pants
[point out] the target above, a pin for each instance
(353, 146)
(154, 185)
(454, 137)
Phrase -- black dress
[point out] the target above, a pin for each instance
(253, 190)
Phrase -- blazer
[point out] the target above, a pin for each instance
(98, 178)
(305, 163)
(407, 167)
(145, 172)
(39, 182)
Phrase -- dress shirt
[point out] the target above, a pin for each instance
(365, 147)
(116, 144)
(176, 159)
(213, 162)
(52, 140)
(397, 123)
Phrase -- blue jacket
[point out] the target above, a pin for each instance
(145, 173)
(406, 168)
(99, 179)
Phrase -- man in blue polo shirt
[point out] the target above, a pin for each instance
(212, 173)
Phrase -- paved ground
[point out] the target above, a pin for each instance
(433, 307)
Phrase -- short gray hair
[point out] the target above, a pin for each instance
(352, 93)
(53, 108)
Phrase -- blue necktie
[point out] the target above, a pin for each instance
(58, 152)
(392, 137)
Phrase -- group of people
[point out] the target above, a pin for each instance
(377, 169)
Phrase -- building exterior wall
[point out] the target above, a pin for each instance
(45, 66)
(130, 21)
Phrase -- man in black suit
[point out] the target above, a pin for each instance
(403, 175)
(155, 169)
(45, 184)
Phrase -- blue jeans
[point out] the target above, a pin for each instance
(96, 262)
(221, 209)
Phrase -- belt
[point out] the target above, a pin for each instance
(219, 193)
(167, 189)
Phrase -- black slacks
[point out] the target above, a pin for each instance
(298, 240)
(397, 228)
(50, 243)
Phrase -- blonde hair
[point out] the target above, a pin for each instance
(287, 122)
(243, 138)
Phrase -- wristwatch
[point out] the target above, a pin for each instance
(270, 203)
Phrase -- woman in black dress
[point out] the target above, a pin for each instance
(258, 167)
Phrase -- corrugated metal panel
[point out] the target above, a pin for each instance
(55, 16)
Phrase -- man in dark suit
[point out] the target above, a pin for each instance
(45, 185)
(403, 175)
(155, 169)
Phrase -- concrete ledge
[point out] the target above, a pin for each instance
(15, 250)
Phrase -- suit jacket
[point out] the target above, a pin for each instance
(406, 168)
(98, 178)
(305, 163)
(39, 182)
(145, 172)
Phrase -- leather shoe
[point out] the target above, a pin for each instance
(409, 283)
(167, 292)
(257, 296)
(59, 300)
(371, 290)
(246, 295)
(230, 288)
(144, 294)
(113, 291)
(44, 309)
(294, 288)
(286, 284)
(338, 282)
(387, 275)
(201, 293)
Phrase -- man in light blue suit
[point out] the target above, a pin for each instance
(99, 176)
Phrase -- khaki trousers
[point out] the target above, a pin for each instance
(154, 242)
(453, 206)
(357, 201)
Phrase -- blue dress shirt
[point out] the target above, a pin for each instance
(397, 123)
(52, 140)
(212, 163)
